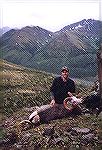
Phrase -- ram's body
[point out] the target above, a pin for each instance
(47, 113)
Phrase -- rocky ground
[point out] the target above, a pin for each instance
(72, 133)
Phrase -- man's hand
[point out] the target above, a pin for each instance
(52, 102)
(70, 94)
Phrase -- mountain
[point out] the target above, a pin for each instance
(20, 45)
(75, 46)
(4, 30)
(0, 32)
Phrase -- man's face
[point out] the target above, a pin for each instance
(64, 74)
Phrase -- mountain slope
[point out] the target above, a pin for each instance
(25, 42)
(21, 90)
(75, 46)
(4, 30)
(21, 87)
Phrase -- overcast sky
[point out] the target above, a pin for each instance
(48, 14)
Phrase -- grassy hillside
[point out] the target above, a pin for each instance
(21, 89)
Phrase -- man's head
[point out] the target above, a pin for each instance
(64, 69)
(64, 72)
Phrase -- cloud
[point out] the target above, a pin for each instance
(49, 14)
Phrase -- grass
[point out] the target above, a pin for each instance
(20, 88)
(23, 87)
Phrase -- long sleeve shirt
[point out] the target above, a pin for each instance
(59, 89)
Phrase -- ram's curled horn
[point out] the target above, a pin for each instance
(72, 102)
(68, 104)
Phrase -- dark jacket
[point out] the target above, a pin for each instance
(59, 89)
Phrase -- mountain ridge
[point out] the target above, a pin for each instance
(48, 51)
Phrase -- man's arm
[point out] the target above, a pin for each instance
(72, 87)
(52, 99)
(71, 92)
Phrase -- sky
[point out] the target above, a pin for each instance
(48, 14)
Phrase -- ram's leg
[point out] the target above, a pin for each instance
(24, 125)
